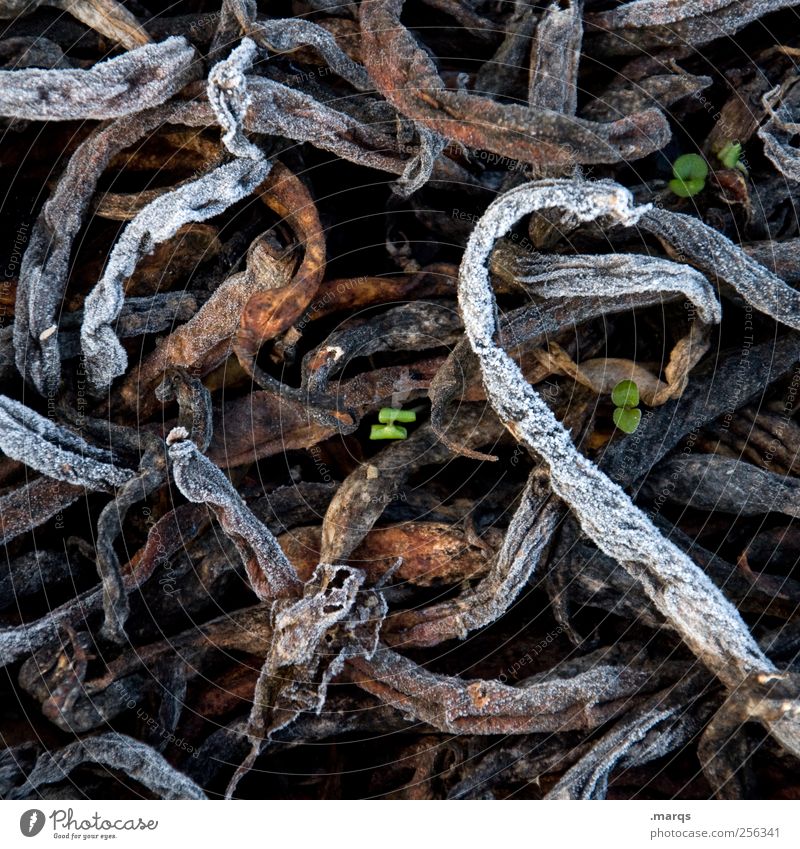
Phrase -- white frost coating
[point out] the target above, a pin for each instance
(287, 34)
(54, 451)
(622, 274)
(228, 96)
(777, 132)
(650, 13)
(709, 249)
(679, 590)
(199, 200)
(114, 751)
(629, 744)
(419, 168)
(200, 481)
(177, 434)
(204, 198)
(136, 80)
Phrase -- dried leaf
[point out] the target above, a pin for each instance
(45, 265)
(721, 484)
(677, 588)
(137, 80)
(107, 17)
(714, 253)
(411, 83)
(454, 705)
(115, 752)
(654, 733)
(32, 505)
(525, 546)
(603, 374)
(152, 472)
(270, 573)
(555, 54)
(312, 638)
(648, 24)
(782, 125)
(199, 200)
(278, 303)
(265, 423)
(717, 392)
(363, 496)
(410, 327)
(55, 451)
(430, 553)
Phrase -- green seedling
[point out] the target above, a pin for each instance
(729, 157)
(627, 418)
(625, 394)
(690, 172)
(625, 397)
(380, 431)
(390, 415)
(388, 427)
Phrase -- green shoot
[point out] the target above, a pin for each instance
(387, 431)
(626, 415)
(390, 415)
(626, 418)
(625, 394)
(729, 157)
(690, 172)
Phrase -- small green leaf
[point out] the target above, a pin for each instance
(387, 431)
(390, 415)
(690, 166)
(690, 172)
(625, 394)
(627, 419)
(686, 188)
(729, 155)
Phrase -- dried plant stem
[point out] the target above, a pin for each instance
(708, 623)
(55, 451)
(198, 200)
(110, 89)
(270, 573)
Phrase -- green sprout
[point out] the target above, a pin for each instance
(729, 157)
(626, 415)
(690, 172)
(627, 418)
(390, 415)
(387, 429)
(379, 431)
(625, 394)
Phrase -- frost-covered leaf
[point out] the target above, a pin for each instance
(198, 200)
(112, 751)
(678, 589)
(313, 636)
(270, 573)
(55, 451)
(137, 80)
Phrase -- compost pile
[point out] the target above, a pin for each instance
(233, 237)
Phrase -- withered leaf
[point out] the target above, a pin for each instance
(648, 24)
(412, 84)
(312, 638)
(270, 573)
(55, 451)
(583, 700)
(137, 80)
(114, 752)
(678, 589)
